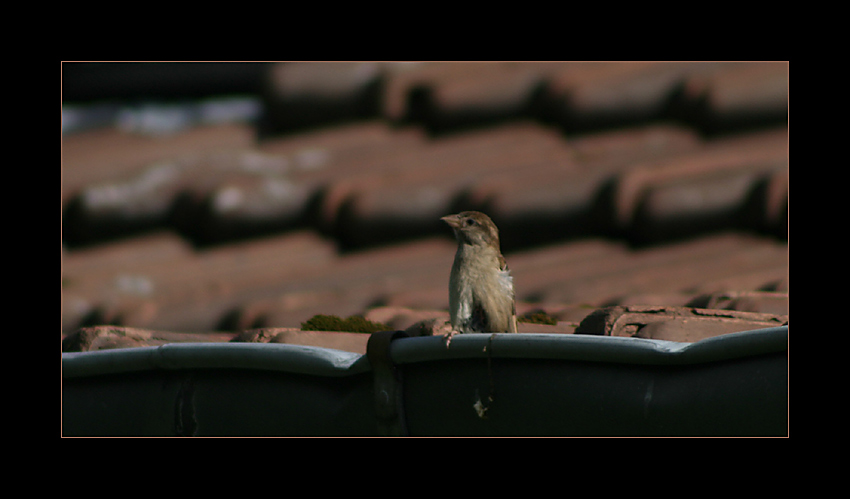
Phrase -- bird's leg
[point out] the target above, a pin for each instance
(448, 337)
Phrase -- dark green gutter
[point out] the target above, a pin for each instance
(521, 384)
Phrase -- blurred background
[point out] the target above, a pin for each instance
(226, 196)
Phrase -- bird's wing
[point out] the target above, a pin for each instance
(503, 266)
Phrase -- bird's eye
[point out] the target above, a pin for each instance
(470, 222)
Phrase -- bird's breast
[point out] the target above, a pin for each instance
(480, 290)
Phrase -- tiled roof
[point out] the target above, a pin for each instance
(613, 184)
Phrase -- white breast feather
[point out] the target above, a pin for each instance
(506, 280)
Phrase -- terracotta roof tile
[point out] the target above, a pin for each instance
(104, 155)
(724, 160)
(674, 323)
(189, 292)
(309, 94)
(650, 211)
(737, 95)
(676, 267)
(408, 200)
(455, 96)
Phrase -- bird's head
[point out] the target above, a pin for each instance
(473, 227)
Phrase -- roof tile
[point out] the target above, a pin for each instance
(588, 217)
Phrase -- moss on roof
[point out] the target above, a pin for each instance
(537, 317)
(353, 324)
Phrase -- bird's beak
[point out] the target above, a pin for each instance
(452, 220)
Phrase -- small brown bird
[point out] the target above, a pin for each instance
(481, 289)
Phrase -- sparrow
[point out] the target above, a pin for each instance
(481, 289)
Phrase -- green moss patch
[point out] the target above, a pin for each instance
(353, 324)
(537, 317)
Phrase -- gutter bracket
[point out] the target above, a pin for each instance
(389, 402)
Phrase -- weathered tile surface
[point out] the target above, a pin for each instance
(628, 184)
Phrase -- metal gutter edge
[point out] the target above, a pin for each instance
(593, 348)
(328, 362)
(263, 356)
(486, 384)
